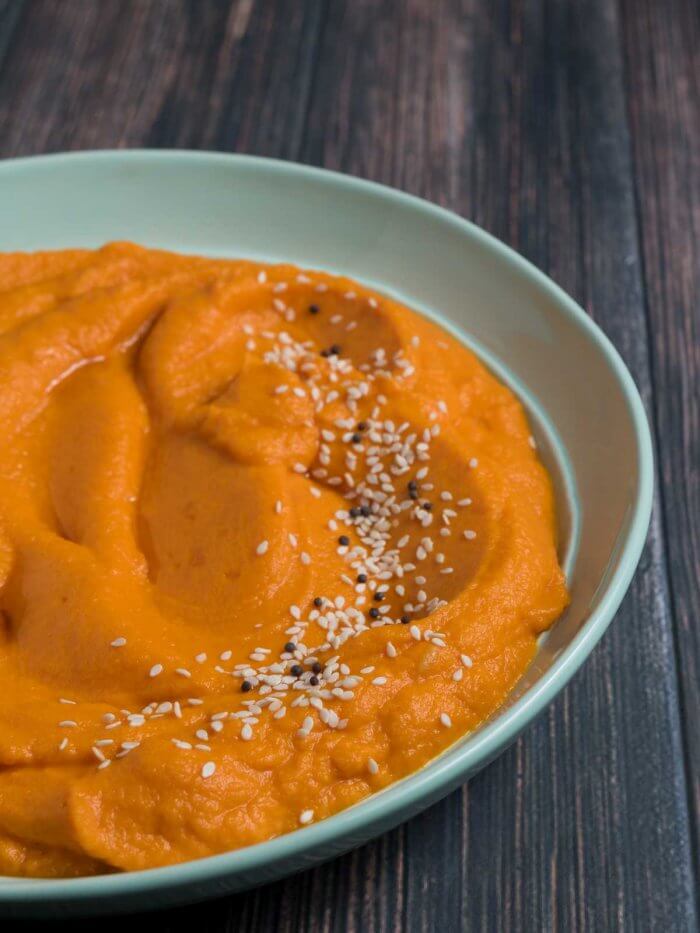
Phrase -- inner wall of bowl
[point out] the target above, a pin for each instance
(276, 212)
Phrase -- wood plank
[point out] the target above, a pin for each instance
(662, 49)
(188, 73)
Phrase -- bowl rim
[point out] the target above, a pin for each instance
(459, 761)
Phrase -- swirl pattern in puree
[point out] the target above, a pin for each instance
(268, 542)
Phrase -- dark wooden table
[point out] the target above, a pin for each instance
(570, 129)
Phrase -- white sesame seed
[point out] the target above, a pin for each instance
(306, 816)
(155, 670)
(415, 632)
(305, 558)
(473, 463)
(469, 534)
(466, 660)
(457, 676)
(208, 769)
(201, 657)
(183, 672)
(390, 650)
(247, 732)
(63, 743)
(118, 642)
(262, 547)
(104, 764)
(278, 506)
(445, 720)
(372, 766)
(68, 723)
(379, 681)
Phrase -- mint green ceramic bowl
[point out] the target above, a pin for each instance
(585, 410)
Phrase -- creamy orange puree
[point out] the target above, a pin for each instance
(268, 542)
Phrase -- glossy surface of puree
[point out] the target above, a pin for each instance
(268, 542)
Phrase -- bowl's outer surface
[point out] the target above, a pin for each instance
(586, 413)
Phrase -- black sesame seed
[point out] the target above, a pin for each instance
(413, 493)
(344, 540)
(427, 506)
(412, 484)
(374, 613)
(325, 353)
(362, 425)
(290, 646)
(355, 512)
(405, 620)
(379, 596)
(318, 601)
(365, 511)
(356, 438)
(362, 578)
(313, 680)
(296, 670)
(317, 667)
(335, 349)
(314, 309)
(246, 686)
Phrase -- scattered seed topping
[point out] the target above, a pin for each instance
(208, 769)
(306, 816)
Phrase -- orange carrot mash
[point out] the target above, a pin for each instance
(269, 541)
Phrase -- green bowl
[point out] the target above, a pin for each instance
(585, 410)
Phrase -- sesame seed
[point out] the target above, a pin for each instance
(68, 723)
(306, 816)
(372, 766)
(104, 764)
(390, 650)
(208, 769)
(155, 670)
(473, 463)
(63, 743)
(457, 676)
(247, 732)
(469, 535)
(200, 658)
(445, 720)
(415, 632)
(466, 660)
(262, 547)
(379, 681)
(118, 642)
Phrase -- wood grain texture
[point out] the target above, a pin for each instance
(662, 51)
(570, 130)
